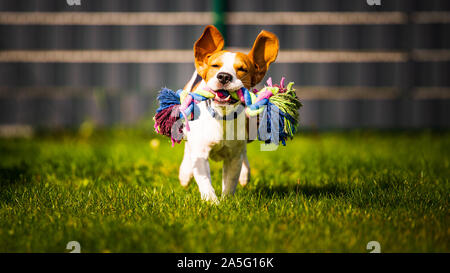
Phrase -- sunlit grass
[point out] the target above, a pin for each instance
(117, 191)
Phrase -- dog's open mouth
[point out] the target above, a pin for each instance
(224, 97)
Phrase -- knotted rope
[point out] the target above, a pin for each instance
(272, 128)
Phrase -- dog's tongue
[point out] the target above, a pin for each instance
(222, 94)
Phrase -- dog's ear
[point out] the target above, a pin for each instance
(211, 41)
(263, 53)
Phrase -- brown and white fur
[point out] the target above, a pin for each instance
(222, 70)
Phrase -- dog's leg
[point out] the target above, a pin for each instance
(230, 174)
(203, 178)
(186, 173)
(202, 174)
(244, 177)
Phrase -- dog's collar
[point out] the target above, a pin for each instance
(229, 116)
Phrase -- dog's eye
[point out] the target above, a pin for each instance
(242, 69)
(215, 65)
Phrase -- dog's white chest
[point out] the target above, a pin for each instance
(209, 135)
(205, 128)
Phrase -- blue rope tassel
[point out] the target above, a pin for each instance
(167, 98)
(272, 127)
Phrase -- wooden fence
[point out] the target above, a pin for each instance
(354, 65)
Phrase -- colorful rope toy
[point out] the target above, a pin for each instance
(176, 106)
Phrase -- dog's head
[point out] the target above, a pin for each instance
(224, 70)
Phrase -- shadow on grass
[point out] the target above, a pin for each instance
(328, 190)
(14, 174)
(11, 179)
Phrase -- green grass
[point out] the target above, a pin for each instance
(328, 192)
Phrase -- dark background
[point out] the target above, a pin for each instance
(411, 93)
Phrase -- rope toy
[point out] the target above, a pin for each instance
(178, 106)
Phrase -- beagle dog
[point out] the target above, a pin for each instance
(222, 72)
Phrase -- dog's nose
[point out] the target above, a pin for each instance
(224, 77)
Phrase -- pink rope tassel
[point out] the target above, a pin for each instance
(187, 101)
(282, 82)
(187, 122)
(241, 95)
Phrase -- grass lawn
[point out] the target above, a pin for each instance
(113, 191)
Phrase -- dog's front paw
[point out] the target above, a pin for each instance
(185, 175)
(214, 201)
(184, 180)
(244, 178)
(210, 197)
